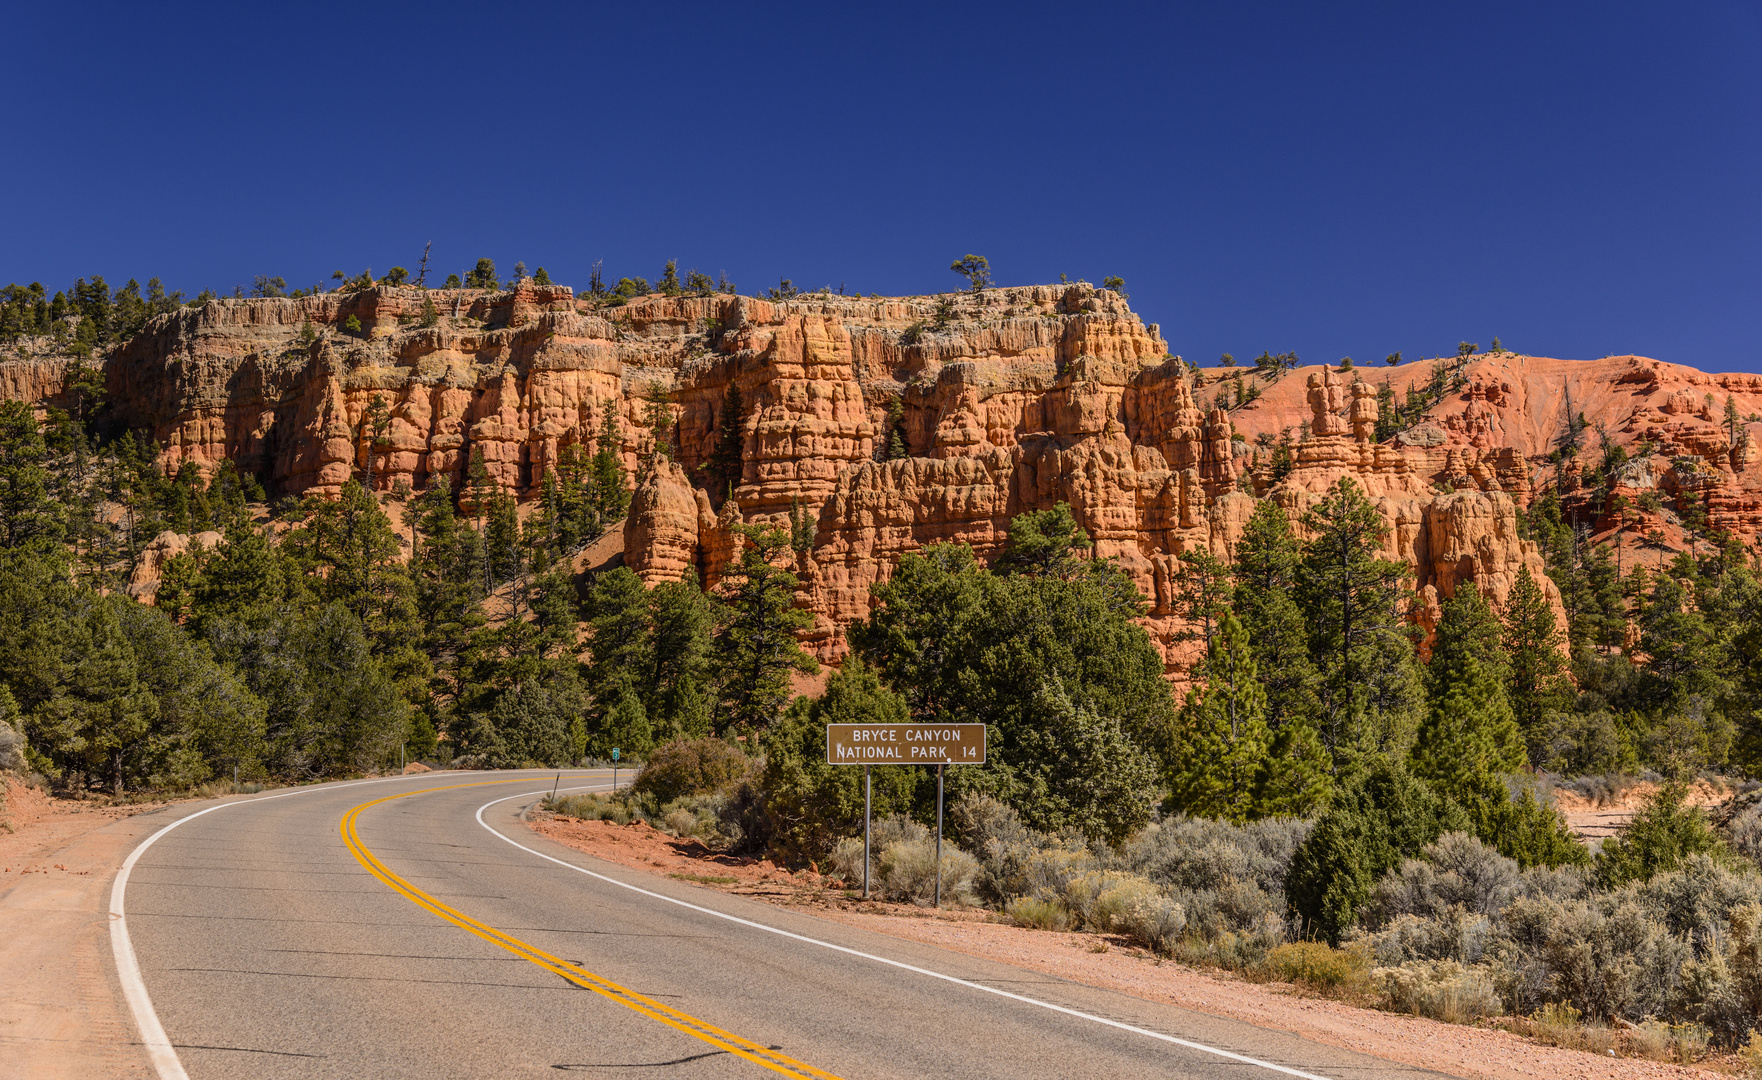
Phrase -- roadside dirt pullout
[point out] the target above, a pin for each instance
(1471, 1052)
(61, 1011)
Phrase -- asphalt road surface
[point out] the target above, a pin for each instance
(388, 929)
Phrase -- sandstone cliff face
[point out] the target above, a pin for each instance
(1006, 400)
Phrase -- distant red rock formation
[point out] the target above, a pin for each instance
(1007, 400)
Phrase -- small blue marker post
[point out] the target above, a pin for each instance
(614, 768)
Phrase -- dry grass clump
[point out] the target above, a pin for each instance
(1750, 1053)
(1559, 1024)
(1038, 914)
(590, 806)
(1439, 989)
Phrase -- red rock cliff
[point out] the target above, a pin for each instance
(1007, 400)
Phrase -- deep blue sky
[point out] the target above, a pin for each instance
(1334, 179)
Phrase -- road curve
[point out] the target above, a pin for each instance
(414, 927)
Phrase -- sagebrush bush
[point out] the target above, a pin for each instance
(1456, 934)
(1156, 921)
(1650, 1039)
(690, 767)
(1197, 854)
(1697, 898)
(1440, 989)
(11, 748)
(1099, 899)
(1231, 950)
(1457, 871)
(711, 818)
(846, 860)
(903, 865)
(907, 871)
(894, 829)
(1721, 989)
(1750, 1053)
(1744, 833)
(1609, 955)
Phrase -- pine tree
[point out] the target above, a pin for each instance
(501, 540)
(608, 469)
(349, 555)
(621, 651)
(727, 461)
(1267, 560)
(1469, 731)
(756, 649)
(1536, 671)
(27, 510)
(479, 485)
(444, 563)
(810, 804)
(1044, 542)
(1222, 743)
(246, 569)
(373, 432)
(1369, 694)
(802, 527)
(1202, 594)
(1677, 641)
(678, 682)
(657, 418)
(1295, 779)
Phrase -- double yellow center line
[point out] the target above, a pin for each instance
(630, 999)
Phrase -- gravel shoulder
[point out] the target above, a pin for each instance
(1478, 1053)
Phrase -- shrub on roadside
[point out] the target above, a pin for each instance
(1751, 1054)
(1316, 965)
(1455, 871)
(1439, 989)
(1383, 817)
(591, 806)
(1038, 914)
(1156, 921)
(904, 863)
(1099, 899)
(1198, 854)
(907, 872)
(690, 767)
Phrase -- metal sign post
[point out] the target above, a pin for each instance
(614, 769)
(938, 835)
(868, 803)
(904, 744)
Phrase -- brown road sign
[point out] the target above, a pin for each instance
(905, 744)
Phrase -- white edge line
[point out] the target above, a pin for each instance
(1244, 1059)
(128, 970)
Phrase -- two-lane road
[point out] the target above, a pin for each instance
(414, 927)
